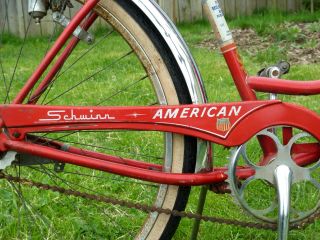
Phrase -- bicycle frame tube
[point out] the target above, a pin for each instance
(229, 49)
(244, 83)
(45, 83)
(281, 86)
(83, 12)
(203, 121)
(225, 124)
(166, 29)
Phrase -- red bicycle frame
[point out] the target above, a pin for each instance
(224, 124)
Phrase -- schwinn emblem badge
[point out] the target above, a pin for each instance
(223, 124)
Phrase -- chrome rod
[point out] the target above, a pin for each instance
(283, 180)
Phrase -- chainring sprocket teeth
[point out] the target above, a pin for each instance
(305, 194)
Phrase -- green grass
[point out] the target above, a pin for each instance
(74, 218)
(266, 21)
(54, 217)
(220, 88)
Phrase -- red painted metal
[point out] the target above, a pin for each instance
(282, 86)
(240, 77)
(240, 122)
(23, 119)
(228, 124)
(115, 159)
(83, 12)
(213, 122)
(287, 134)
(45, 83)
(100, 156)
(238, 72)
(143, 174)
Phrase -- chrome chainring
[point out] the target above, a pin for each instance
(259, 193)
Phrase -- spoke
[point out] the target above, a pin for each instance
(154, 104)
(34, 213)
(54, 30)
(137, 182)
(122, 90)
(47, 49)
(90, 77)
(85, 53)
(50, 39)
(7, 98)
(53, 174)
(48, 140)
(75, 186)
(58, 75)
(3, 76)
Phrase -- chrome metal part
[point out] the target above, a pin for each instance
(183, 57)
(178, 47)
(7, 159)
(272, 175)
(273, 72)
(60, 5)
(153, 209)
(200, 207)
(38, 9)
(78, 32)
(283, 180)
(203, 163)
(129, 204)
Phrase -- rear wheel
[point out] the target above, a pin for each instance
(129, 64)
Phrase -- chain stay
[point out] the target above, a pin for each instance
(149, 209)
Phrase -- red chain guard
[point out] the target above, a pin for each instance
(229, 124)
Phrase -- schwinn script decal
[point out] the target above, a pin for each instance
(211, 112)
(64, 115)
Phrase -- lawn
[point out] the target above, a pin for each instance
(55, 217)
(220, 88)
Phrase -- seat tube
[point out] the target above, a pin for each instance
(228, 49)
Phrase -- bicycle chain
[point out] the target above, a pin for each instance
(149, 209)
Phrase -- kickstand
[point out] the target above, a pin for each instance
(203, 192)
(201, 202)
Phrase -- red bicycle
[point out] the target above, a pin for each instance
(143, 114)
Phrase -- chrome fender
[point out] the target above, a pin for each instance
(188, 67)
(177, 45)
